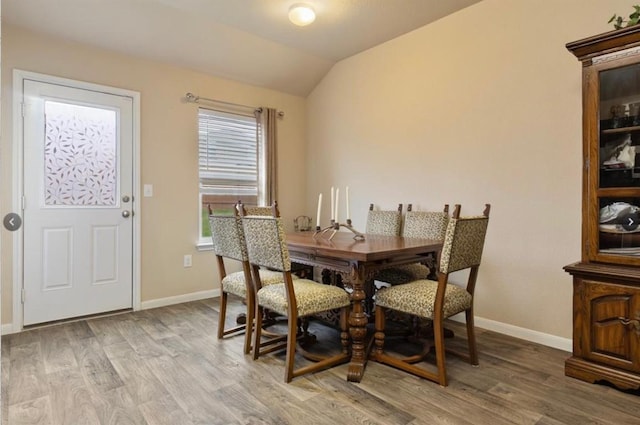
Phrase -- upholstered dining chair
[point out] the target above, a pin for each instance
(228, 242)
(295, 299)
(437, 300)
(417, 224)
(380, 222)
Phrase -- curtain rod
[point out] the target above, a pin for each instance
(190, 97)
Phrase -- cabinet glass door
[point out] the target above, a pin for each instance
(618, 189)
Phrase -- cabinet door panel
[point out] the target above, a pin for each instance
(606, 307)
(612, 142)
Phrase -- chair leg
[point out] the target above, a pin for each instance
(471, 337)
(249, 324)
(257, 331)
(438, 339)
(291, 347)
(223, 314)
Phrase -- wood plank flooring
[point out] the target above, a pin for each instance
(165, 367)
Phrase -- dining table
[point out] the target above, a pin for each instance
(358, 261)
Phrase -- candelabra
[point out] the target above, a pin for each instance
(335, 226)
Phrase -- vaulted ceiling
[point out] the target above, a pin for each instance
(250, 41)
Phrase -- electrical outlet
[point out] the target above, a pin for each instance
(187, 261)
(148, 190)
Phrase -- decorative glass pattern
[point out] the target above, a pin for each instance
(79, 155)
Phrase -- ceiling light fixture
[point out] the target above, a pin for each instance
(301, 14)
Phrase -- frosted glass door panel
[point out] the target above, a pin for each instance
(80, 155)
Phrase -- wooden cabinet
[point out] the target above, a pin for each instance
(606, 282)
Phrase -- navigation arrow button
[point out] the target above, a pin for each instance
(631, 222)
(12, 222)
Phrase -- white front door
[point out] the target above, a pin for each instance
(78, 202)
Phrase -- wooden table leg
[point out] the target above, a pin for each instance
(357, 329)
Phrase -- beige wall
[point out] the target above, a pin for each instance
(480, 107)
(168, 152)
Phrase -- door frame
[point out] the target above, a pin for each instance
(17, 180)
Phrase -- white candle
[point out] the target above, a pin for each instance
(333, 203)
(347, 201)
(319, 207)
(337, 199)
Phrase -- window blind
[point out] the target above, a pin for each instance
(228, 153)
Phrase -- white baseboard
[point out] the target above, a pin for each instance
(549, 340)
(193, 296)
(6, 329)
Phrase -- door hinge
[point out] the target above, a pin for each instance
(22, 200)
(22, 108)
(586, 164)
(22, 295)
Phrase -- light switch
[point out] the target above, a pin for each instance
(148, 190)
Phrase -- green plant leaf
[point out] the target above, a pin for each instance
(634, 19)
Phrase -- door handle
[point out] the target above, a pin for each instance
(126, 213)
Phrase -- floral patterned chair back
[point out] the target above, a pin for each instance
(463, 244)
(425, 224)
(266, 242)
(226, 237)
(227, 233)
(384, 222)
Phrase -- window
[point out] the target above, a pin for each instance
(228, 162)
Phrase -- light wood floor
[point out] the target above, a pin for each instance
(165, 366)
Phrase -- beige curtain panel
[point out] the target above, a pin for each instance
(268, 136)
